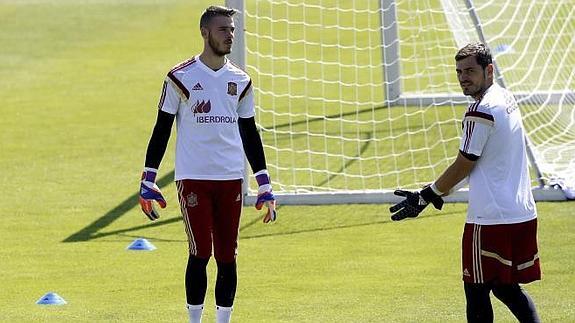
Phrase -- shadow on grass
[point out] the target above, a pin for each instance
(125, 232)
(387, 220)
(91, 231)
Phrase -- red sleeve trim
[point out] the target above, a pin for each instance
(179, 84)
(183, 64)
(163, 96)
(468, 134)
(481, 115)
(471, 157)
(245, 91)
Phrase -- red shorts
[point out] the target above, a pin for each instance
(211, 212)
(500, 254)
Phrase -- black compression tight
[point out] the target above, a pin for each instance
(479, 308)
(518, 301)
(512, 295)
(196, 280)
(226, 283)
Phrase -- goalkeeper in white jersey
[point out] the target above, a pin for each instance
(212, 102)
(499, 245)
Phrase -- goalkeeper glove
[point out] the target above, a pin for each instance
(415, 203)
(265, 196)
(150, 192)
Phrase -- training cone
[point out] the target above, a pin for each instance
(141, 244)
(51, 299)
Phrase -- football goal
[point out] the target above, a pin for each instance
(357, 98)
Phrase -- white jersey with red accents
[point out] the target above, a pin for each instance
(207, 105)
(499, 184)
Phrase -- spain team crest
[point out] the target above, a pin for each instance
(232, 88)
(192, 199)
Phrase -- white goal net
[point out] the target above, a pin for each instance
(357, 98)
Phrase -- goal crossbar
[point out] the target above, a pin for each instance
(439, 99)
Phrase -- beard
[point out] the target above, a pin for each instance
(215, 48)
(476, 89)
(473, 90)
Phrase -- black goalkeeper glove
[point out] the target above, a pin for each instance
(414, 203)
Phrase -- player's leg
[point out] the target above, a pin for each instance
(525, 268)
(196, 285)
(518, 301)
(226, 284)
(227, 213)
(479, 308)
(476, 291)
(196, 208)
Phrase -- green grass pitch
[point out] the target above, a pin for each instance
(79, 83)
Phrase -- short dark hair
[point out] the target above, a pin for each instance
(481, 53)
(213, 11)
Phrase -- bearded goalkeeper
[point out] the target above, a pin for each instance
(212, 102)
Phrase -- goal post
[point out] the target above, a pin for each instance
(355, 99)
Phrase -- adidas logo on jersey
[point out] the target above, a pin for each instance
(197, 87)
(466, 272)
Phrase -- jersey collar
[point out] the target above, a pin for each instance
(211, 71)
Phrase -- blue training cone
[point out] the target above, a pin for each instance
(51, 299)
(141, 244)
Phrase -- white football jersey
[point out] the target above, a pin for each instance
(499, 184)
(207, 105)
